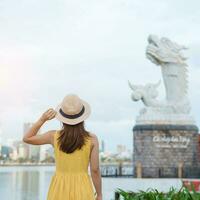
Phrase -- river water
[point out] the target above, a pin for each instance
(32, 183)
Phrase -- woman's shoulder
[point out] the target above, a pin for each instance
(94, 138)
(92, 135)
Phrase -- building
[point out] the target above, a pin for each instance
(102, 146)
(34, 153)
(21, 149)
(0, 150)
(6, 151)
(27, 126)
(0, 142)
(43, 153)
(121, 148)
(14, 155)
(33, 150)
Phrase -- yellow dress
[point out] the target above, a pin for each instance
(71, 180)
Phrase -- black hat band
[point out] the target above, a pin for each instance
(72, 116)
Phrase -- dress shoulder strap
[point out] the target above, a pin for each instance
(55, 141)
(89, 143)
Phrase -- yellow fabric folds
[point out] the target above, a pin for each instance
(71, 180)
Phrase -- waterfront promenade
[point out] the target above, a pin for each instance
(107, 170)
(31, 183)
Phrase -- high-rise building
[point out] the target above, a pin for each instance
(102, 146)
(14, 154)
(0, 150)
(27, 126)
(0, 142)
(121, 148)
(33, 150)
(6, 151)
(21, 149)
(43, 153)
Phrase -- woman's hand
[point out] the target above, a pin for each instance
(48, 115)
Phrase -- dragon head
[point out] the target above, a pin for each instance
(163, 50)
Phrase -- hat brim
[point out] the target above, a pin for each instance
(75, 121)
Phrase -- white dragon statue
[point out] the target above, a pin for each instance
(175, 108)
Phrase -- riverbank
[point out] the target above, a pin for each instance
(32, 183)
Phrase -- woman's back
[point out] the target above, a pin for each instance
(76, 162)
(71, 180)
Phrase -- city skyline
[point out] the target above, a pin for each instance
(12, 142)
(16, 152)
(70, 47)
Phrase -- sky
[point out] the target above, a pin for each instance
(91, 48)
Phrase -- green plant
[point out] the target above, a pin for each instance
(153, 194)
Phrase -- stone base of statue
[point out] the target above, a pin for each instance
(160, 150)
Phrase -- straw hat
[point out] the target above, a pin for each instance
(72, 110)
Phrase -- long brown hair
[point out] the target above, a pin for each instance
(72, 137)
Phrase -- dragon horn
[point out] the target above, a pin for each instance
(133, 87)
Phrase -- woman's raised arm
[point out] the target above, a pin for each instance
(31, 136)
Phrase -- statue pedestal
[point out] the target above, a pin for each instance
(162, 148)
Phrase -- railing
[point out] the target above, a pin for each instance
(191, 172)
(127, 170)
(116, 170)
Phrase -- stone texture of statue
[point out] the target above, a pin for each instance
(175, 108)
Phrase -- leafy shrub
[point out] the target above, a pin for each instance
(153, 194)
